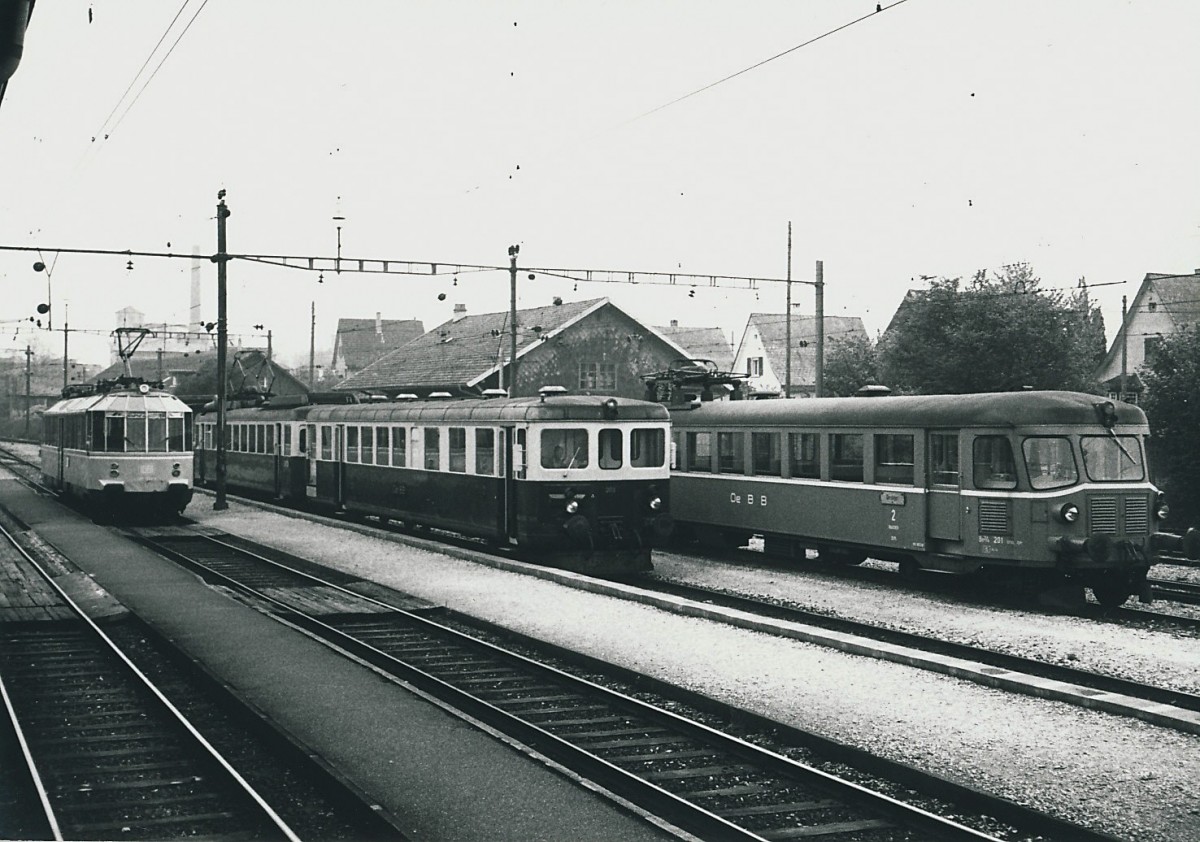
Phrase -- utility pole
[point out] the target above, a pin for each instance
(64, 346)
(512, 318)
(268, 346)
(1124, 348)
(787, 366)
(312, 349)
(28, 374)
(221, 258)
(820, 296)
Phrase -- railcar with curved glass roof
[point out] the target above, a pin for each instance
(124, 446)
(1054, 485)
(575, 481)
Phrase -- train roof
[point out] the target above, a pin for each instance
(123, 400)
(992, 409)
(496, 410)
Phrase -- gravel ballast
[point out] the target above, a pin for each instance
(1108, 772)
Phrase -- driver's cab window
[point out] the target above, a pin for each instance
(564, 448)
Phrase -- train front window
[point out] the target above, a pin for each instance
(1113, 458)
(156, 433)
(611, 442)
(647, 448)
(994, 463)
(135, 432)
(1050, 462)
(567, 448)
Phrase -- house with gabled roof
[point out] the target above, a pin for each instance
(703, 343)
(763, 351)
(1164, 305)
(360, 342)
(585, 346)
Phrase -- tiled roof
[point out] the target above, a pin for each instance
(772, 327)
(1178, 295)
(361, 343)
(461, 352)
(702, 343)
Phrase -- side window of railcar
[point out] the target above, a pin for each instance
(433, 454)
(943, 458)
(326, 443)
(766, 453)
(398, 449)
(567, 447)
(647, 447)
(731, 453)
(1050, 461)
(894, 458)
(352, 444)
(804, 450)
(846, 457)
(269, 445)
(457, 444)
(1113, 458)
(485, 452)
(611, 445)
(381, 445)
(994, 466)
(699, 452)
(368, 445)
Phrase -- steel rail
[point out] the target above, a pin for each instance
(626, 784)
(31, 765)
(144, 681)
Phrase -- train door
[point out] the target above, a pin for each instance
(314, 448)
(514, 462)
(62, 456)
(275, 445)
(945, 485)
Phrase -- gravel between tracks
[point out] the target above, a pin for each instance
(1115, 774)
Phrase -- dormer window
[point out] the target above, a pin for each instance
(1152, 306)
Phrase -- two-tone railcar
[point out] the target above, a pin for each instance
(122, 447)
(1050, 485)
(580, 482)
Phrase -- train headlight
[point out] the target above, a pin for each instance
(1163, 511)
(656, 503)
(572, 507)
(1069, 513)
(114, 470)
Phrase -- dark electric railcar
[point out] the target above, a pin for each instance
(120, 446)
(1052, 485)
(579, 482)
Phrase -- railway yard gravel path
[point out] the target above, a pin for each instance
(1120, 775)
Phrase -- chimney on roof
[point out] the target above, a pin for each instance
(460, 311)
(379, 325)
(674, 322)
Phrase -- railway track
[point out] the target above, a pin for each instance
(1167, 589)
(104, 753)
(698, 778)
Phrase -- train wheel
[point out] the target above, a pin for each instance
(908, 569)
(1111, 591)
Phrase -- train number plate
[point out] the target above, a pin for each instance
(891, 498)
(146, 470)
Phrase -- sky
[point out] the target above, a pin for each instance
(931, 138)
